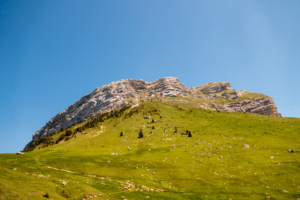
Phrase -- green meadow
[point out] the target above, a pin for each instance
(229, 156)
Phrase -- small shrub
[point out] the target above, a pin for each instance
(121, 134)
(46, 195)
(65, 194)
(153, 127)
(68, 132)
(79, 129)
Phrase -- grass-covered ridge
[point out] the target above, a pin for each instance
(212, 164)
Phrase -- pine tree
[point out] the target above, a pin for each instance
(141, 134)
(190, 134)
(121, 134)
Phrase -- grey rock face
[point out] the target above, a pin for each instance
(234, 94)
(130, 91)
(259, 105)
(215, 87)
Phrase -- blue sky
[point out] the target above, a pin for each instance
(54, 52)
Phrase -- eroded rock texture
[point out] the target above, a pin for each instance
(259, 105)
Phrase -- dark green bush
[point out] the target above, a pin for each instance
(68, 132)
(46, 195)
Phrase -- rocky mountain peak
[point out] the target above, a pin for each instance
(130, 91)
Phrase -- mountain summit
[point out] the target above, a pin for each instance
(211, 96)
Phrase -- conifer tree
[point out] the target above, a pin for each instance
(141, 134)
(121, 134)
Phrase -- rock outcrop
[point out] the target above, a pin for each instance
(263, 106)
(130, 91)
(214, 87)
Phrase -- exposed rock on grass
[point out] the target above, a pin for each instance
(291, 150)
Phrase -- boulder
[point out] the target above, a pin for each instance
(291, 150)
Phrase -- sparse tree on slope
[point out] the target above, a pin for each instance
(141, 134)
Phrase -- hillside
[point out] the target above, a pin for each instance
(211, 96)
(231, 155)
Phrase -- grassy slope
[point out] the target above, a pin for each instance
(241, 174)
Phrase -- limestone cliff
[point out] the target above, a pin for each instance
(263, 106)
(130, 91)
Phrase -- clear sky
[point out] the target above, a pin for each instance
(54, 52)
